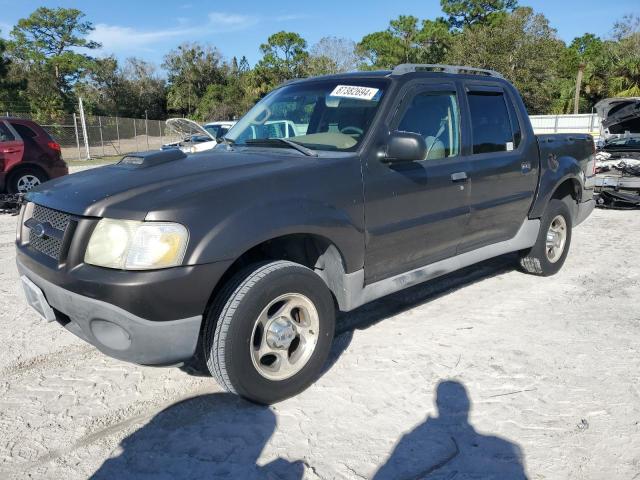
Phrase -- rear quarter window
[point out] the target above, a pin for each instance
(491, 124)
(24, 131)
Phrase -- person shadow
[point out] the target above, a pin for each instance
(209, 436)
(447, 446)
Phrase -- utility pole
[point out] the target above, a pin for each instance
(576, 98)
(83, 123)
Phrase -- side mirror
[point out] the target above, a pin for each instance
(405, 147)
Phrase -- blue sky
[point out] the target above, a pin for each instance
(149, 29)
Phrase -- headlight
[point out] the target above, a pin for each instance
(132, 245)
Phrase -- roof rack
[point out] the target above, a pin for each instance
(418, 67)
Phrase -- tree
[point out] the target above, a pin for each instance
(134, 90)
(54, 37)
(5, 83)
(585, 51)
(46, 49)
(284, 57)
(523, 47)
(464, 13)
(625, 54)
(190, 69)
(404, 42)
(332, 55)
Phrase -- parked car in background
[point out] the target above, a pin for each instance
(620, 117)
(195, 137)
(622, 146)
(28, 156)
(218, 129)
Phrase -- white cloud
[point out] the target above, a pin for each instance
(121, 39)
(231, 21)
(291, 16)
(115, 38)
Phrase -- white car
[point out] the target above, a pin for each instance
(195, 137)
(218, 129)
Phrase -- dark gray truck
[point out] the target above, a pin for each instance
(330, 193)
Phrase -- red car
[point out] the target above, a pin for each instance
(28, 156)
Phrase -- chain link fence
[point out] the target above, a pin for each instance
(108, 136)
(105, 136)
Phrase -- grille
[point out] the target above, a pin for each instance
(50, 246)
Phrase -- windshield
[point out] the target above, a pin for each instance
(329, 115)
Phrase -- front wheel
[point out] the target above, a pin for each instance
(269, 332)
(548, 254)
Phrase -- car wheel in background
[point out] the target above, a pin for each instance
(25, 179)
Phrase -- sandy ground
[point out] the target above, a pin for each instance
(547, 369)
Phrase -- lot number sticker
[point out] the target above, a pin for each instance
(351, 91)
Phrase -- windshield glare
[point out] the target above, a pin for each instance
(330, 115)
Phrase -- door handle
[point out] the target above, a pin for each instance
(459, 177)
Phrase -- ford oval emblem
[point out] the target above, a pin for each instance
(38, 230)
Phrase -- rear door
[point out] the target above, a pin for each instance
(503, 165)
(417, 211)
(11, 147)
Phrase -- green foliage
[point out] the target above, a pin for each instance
(46, 64)
(405, 41)
(132, 91)
(522, 46)
(46, 52)
(464, 13)
(284, 57)
(191, 68)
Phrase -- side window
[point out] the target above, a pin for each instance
(434, 115)
(490, 123)
(5, 134)
(23, 130)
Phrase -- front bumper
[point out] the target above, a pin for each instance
(117, 332)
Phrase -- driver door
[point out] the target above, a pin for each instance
(416, 212)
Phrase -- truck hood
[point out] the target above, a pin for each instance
(124, 191)
(620, 115)
(186, 128)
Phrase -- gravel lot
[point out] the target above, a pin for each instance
(548, 369)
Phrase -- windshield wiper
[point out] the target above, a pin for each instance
(266, 141)
(227, 141)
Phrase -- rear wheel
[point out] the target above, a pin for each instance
(547, 256)
(269, 332)
(25, 179)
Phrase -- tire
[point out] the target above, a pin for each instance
(242, 332)
(24, 179)
(539, 259)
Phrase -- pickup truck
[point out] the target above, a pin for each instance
(239, 257)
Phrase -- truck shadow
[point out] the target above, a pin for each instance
(381, 309)
(215, 435)
(394, 304)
